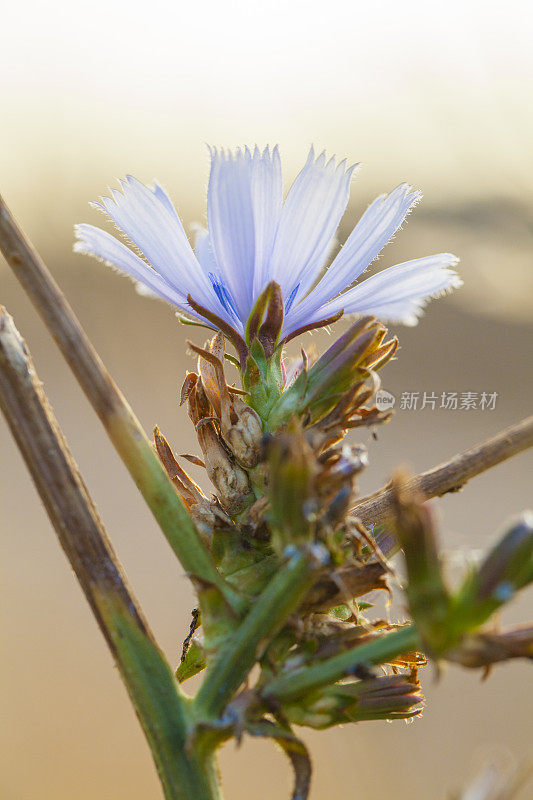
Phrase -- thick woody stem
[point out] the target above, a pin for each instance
(162, 710)
(122, 426)
(452, 475)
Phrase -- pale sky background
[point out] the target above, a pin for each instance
(439, 90)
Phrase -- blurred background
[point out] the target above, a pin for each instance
(438, 95)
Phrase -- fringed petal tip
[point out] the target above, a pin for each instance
(331, 163)
(84, 243)
(408, 312)
(245, 152)
(83, 248)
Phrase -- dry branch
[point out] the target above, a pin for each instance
(144, 669)
(58, 481)
(122, 426)
(452, 475)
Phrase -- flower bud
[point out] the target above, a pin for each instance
(385, 697)
(266, 319)
(293, 499)
(509, 565)
(507, 568)
(426, 591)
(316, 391)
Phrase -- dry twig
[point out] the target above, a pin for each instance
(120, 422)
(144, 669)
(452, 475)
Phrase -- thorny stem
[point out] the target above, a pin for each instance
(163, 712)
(267, 615)
(452, 475)
(122, 426)
(377, 651)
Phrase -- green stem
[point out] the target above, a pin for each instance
(163, 711)
(268, 614)
(377, 651)
(122, 426)
(165, 716)
(160, 494)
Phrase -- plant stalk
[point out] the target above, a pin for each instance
(266, 617)
(294, 684)
(452, 475)
(163, 711)
(121, 425)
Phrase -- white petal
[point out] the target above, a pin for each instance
(243, 208)
(376, 227)
(231, 223)
(310, 216)
(399, 293)
(96, 242)
(267, 194)
(149, 219)
(204, 251)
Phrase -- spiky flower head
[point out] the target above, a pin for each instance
(256, 239)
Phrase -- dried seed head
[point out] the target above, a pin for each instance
(243, 433)
(240, 425)
(229, 478)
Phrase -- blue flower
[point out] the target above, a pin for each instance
(254, 238)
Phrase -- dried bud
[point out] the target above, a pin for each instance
(229, 478)
(336, 483)
(385, 697)
(344, 584)
(486, 648)
(353, 410)
(240, 425)
(204, 513)
(243, 433)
